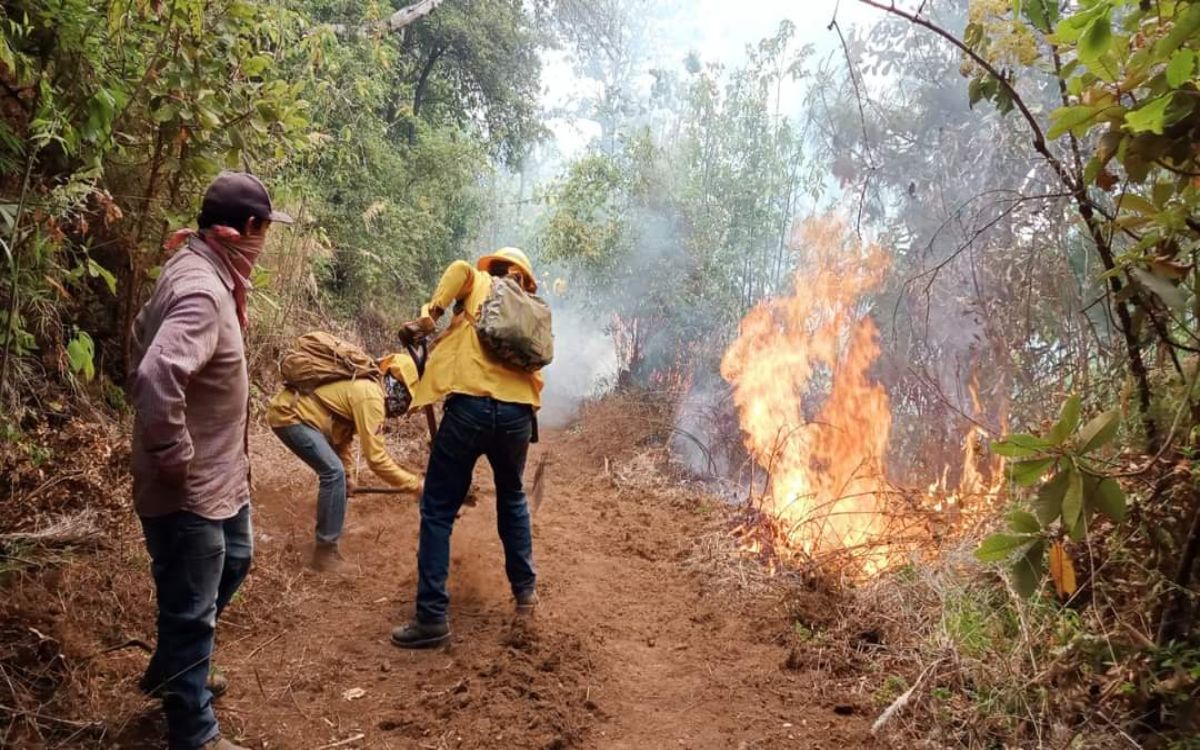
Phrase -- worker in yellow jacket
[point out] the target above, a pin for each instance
(320, 426)
(489, 412)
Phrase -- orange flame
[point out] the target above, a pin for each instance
(827, 496)
(826, 479)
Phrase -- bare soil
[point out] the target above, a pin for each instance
(635, 644)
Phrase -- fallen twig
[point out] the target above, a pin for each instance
(263, 645)
(901, 702)
(53, 719)
(132, 642)
(79, 528)
(346, 741)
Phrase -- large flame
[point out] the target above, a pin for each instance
(823, 458)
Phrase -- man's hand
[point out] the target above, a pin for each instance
(351, 486)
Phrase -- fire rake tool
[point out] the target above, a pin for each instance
(537, 488)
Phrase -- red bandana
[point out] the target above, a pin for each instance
(237, 252)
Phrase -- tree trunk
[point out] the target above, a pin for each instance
(422, 87)
(423, 80)
(1178, 612)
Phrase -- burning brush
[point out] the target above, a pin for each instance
(827, 493)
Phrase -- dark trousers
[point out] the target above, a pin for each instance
(474, 426)
(198, 565)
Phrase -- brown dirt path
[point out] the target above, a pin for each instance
(629, 648)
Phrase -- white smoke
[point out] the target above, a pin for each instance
(584, 366)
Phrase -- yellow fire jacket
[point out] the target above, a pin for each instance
(338, 410)
(458, 362)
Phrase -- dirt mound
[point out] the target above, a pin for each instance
(531, 694)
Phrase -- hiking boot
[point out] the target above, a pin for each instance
(420, 635)
(527, 601)
(327, 558)
(218, 683)
(220, 743)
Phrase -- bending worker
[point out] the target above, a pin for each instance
(489, 412)
(319, 427)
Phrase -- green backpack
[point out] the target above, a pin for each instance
(514, 326)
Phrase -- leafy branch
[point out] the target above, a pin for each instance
(1065, 504)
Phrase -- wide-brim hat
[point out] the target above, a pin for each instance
(514, 256)
(401, 367)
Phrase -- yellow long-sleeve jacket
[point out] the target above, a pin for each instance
(338, 411)
(458, 362)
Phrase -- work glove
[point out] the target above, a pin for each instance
(415, 330)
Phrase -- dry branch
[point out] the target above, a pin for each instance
(77, 529)
(1088, 210)
(395, 22)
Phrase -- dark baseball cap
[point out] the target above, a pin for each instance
(238, 196)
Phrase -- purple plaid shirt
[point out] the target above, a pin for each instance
(189, 386)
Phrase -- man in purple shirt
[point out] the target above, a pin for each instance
(191, 465)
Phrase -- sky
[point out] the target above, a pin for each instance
(719, 31)
(725, 28)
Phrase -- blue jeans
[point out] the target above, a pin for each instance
(474, 426)
(314, 449)
(197, 566)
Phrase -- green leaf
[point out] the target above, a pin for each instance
(1023, 522)
(1181, 67)
(1065, 119)
(1079, 530)
(1185, 28)
(1027, 473)
(1072, 503)
(1096, 40)
(81, 352)
(1072, 27)
(1068, 420)
(1150, 117)
(974, 92)
(95, 270)
(1109, 499)
(999, 546)
(1035, 11)
(1018, 445)
(1098, 432)
(1050, 498)
(1029, 571)
(1138, 204)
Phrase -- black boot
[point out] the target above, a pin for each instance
(527, 601)
(421, 635)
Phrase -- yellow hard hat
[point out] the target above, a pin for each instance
(401, 367)
(510, 255)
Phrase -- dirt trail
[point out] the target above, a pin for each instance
(629, 649)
